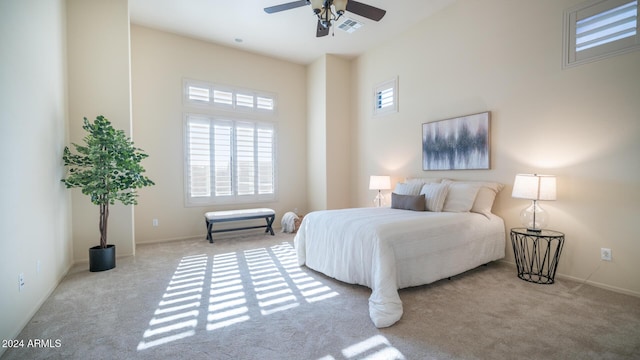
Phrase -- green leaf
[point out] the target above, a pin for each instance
(106, 167)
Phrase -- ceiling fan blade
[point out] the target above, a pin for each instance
(368, 11)
(287, 6)
(321, 30)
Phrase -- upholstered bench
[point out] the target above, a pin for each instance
(236, 215)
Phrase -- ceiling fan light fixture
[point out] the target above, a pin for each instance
(329, 11)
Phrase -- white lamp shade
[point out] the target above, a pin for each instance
(377, 182)
(317, 6)
(534, 187)
(340, 5)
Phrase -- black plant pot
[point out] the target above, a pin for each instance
(102, 259)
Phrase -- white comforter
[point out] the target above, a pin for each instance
(388, 249)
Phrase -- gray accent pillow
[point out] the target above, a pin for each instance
(408, 202)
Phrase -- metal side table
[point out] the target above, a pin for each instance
(537, 254)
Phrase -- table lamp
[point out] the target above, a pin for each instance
(377, 182)
(534, 187)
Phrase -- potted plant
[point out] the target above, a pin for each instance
(107, 168)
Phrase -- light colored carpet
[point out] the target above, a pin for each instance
(244, 297)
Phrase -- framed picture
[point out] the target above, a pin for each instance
(460, 143)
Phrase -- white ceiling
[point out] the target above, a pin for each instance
(289, 35)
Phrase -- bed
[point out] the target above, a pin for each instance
(391, 248)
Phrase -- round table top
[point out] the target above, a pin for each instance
(542, 233)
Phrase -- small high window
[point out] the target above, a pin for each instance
(386, 97)
(217, 96)
(600, 29)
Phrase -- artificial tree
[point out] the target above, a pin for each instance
(106, 168)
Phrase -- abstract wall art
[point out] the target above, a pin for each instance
(460, 143)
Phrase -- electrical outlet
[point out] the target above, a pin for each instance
(605, 254)
(155, 222)
(20, 282)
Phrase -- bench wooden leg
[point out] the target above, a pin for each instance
(209, 234)
(270, 220)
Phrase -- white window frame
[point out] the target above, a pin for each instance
(244, 108)
(239, 99)
(235, 196)
(572, 57)
(379, 92)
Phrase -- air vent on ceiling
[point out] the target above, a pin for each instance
(350, 25)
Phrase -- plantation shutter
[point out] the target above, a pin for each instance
(198, 93)
(265, 144)
(245, 156)
(229, 160)
(601, 29)
(243, 100)
(228, 98)
(223, 97)
(264, 103)
(222, 158)
(198, 158)
(384, 98)
(608, 26)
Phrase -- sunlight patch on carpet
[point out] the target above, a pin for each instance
(241, 285)
(177, 314)
(376, 347)
(227, 301)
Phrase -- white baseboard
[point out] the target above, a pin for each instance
(588, 282)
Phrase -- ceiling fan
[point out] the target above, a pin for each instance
(326, 14)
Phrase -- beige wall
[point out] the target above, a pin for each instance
(316, 162)
(580, 124)
(99, 84)
(338, 136)
(160, 62)
(328, 114)
(35, 208)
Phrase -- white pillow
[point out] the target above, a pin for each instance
(412, 188)
(485, 198)
(460, 197)
(434, 194)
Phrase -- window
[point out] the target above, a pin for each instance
(600, 29)
(229, 154)
(229, 160)
(199, 93)
(386, 98)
